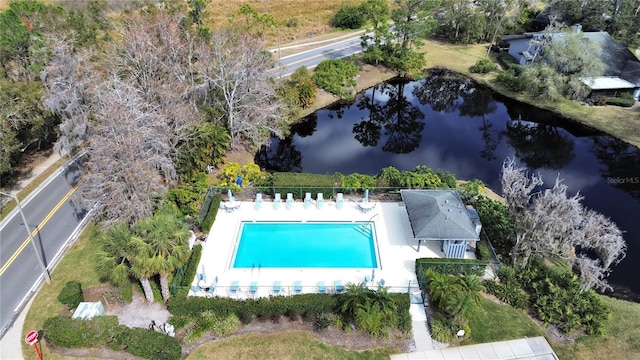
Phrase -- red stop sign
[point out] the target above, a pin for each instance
(31, 338)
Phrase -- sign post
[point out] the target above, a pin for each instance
(32, 339)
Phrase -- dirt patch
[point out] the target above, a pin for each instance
(139, 313)
(352, 340)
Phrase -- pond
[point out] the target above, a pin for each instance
(447, 122)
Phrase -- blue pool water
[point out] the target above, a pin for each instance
(306, 245)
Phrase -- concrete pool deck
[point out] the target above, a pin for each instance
(397, 250)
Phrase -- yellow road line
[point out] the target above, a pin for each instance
(37, 229)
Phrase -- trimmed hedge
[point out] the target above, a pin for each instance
(451, 266)
(211, 213)
(148, 344)
(194, 306)
(186, 273)
(71, 294)
(76, 333)
(104, 331)
(623, 100)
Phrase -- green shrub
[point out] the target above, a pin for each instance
(66, 332)
(482, 66)
(448, 179)
(482, 251)
(442, 330)
(451, 266)
(510, 293)
(292, 22)
(348, 17)
(497, 223)
(506, 60)
(149, 344)
(336, 76)
(321, 321)
(625, 100)
(71, 294)
(211, 214)
(356, 181)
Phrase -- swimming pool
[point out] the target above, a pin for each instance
(306, 245)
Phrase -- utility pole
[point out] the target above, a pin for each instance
(279, 55)
(30, 234)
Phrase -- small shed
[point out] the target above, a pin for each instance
(608, 86)
(440, 215)
(87, 310)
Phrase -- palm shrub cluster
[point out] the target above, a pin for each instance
(156, 246)
(372, 311)
(455, 298)
(558, 299)
(554, 295)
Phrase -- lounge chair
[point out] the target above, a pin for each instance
(319, 201)
(276, 201)
(307, 200)
(258, 201)
(253, 289)
(233, 290)
(339, 200)
(276, 288)
(321, 287)
(289, 200)
(338, 286)
(297, 287)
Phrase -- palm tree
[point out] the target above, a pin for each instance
(354, 296)
(120, 257)
(467, 297)
(166, 238)
(442, 289)
(117, 249)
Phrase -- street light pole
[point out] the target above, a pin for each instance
(279, 54)
(31, 239)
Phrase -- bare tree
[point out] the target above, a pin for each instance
(550, 224)
(66, 92)
(141, 110)
(236, 72)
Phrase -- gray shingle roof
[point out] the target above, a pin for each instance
(438, 215)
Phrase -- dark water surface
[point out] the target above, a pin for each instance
(447, 122)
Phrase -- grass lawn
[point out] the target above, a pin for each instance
(77, 264)
(495, 322)
(282, 345)
(622, 340)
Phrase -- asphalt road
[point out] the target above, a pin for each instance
(311, 58)
(52, 218)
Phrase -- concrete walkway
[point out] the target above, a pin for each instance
(531, 349)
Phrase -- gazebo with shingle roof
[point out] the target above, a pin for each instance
(440, 215)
